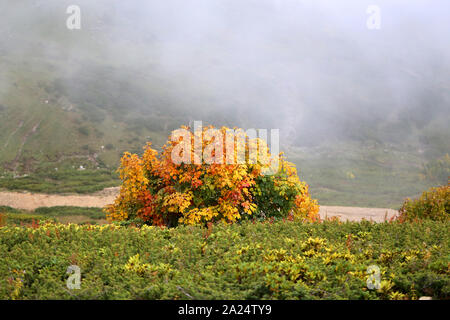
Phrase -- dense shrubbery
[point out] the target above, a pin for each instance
(433, 204)
(159, 191)
(248, 260)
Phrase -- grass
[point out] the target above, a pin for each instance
(93, 213)
(62, 214)
(62, 181)
(351, 174)
(68, 125)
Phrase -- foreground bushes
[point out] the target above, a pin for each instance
(433, 204)
(279, 260)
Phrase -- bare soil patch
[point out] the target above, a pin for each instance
(357, 214)
(31, 201)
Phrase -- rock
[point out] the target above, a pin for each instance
(425, 298)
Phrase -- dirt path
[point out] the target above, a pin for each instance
(32, 201)
(357, 214)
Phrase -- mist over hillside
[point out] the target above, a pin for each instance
(138, 69)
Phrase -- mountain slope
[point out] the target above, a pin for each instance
(348, 103)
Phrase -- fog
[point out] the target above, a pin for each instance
(313, 69)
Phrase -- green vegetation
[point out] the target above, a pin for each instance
(67, 180)
(6, 209)
(46, 122)
(80, 215)
(366, 174)
(433, 204)
(14, 217)
(252, 260)
(94, 213)
(26, 219)
(438, 170)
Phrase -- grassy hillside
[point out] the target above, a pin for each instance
(72, 102)
(48, 132)
(363, 174)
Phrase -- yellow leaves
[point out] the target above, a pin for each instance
(17, 283)
(131, 170)
(197, 216)
(134, 182)
(249, 208)
(177, 202)
(149, 158)
(385, 286)
(315, 243)
(327, 260)
(135, 265)
(115, 212)
(397, 296)
(157, 189)
(276, 255)
(306, 208)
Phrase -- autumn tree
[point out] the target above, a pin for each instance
(191, 185)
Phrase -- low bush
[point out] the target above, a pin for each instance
(6, 209)
(11, 216)
(248, 260)
(94, 213)
(433, 204)
(24, 218)
(160, 191)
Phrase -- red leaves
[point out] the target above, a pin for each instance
(34, 224)
(160, 190)
(148, 212)
(349, 242)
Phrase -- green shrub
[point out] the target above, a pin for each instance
(94, 213)
(25, 218)
(433, 204)
(6, 209)
(248, 260)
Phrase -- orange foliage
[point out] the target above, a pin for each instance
(161, 191)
